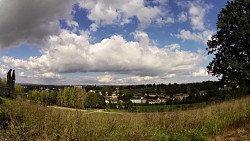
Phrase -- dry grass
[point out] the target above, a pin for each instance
(30, 121)
(237, 132)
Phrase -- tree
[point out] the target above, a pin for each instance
(44, 97)
(60, 97)
(71, 97)
(65, 96)
(19, 89)
(80, 97)
(52, 98)
(231, 44)
(94, 100)
(35, 95)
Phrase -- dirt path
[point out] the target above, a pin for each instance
(66, 108)
(74, 109)
(85, 111)
(102, 111)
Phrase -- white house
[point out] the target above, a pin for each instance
(138, 101)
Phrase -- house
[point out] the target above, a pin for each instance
(152, 95)
(138, 100)
(78, 86)
(180, 96)
(153, 101)
(138, 95)
(109, 99)
(92, 91)
(163, 100)
(202, 93)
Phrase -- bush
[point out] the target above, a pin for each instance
(4, 119)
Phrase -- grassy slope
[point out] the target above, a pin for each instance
(238, 131)
(30, 121)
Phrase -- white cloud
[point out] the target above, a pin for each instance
(196, 16)
(51, 75)
(69, 52)
(3, 71)
(200, 73)
(137, 79)
(31, 21)
(197, 11)
(202, 37)
(21, 74)
(160, 21)
(121, 12)
(141, 37)
(173, 46)
(106, 78)
(40, 78)
(167, 76)
(132, 79)
(182, 17)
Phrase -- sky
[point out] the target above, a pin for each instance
(107, 42)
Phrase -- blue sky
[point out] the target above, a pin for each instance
(107, 41)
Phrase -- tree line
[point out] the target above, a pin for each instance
(73, 97)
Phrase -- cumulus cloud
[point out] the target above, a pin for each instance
(182, 17)
(106, 78)
(121, 12)
(39, 78)
(69, 52)
(31, 21)
(113, 78)
(201, 72)
(173, 46)
(22, 74)
(202, 37)
(133, 79)
(51, 75)
(196, 12)
(3, 71)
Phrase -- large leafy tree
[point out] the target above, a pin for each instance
(94, 100)
(231, 44)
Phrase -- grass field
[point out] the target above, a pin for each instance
(29, 121)
(168, 108)
(156, 108)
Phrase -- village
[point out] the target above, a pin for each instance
(145, 98)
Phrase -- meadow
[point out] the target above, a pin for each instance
(25, 120)
(169, 108)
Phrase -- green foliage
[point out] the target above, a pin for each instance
(52, 98)
(68, 97)
(4, 114)
(72, 97)
(94, 100)
(65, 96)
(35, 95)
(230, 44)
(131, 107)
(19, 89)
(3, 81)
(80, 98)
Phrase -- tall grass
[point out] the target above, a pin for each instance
(29, 121)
